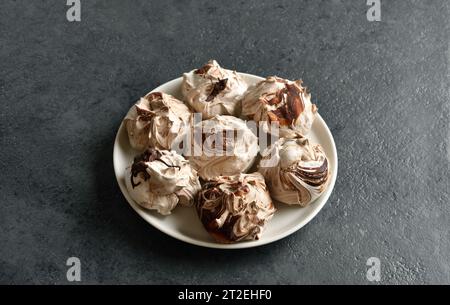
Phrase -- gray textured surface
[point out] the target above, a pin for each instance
(382, 87)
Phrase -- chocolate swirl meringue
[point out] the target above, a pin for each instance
(283, 101)
(296, 172)
(222, 146)
(212, 90)
(235, 208)
(157, 120)
(160, 179)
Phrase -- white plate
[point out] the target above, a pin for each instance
(184, 223)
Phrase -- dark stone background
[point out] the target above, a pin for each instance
(382, 87)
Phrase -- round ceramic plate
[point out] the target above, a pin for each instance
(184, 223)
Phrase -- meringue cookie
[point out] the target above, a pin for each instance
(222, 146)
(296, 172)
(160, 179)
(235, 208)
(212, 90)
(157, 120)
(280, 100)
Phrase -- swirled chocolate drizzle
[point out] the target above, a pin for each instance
(204, 69)
(314, 176)
(139, 165)
(290, 105)
(217, 88)
(144, 115)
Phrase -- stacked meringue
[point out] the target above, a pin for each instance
(156, 121)
(295, 171)
(160, 179)
(228, 147)
(234, 208)
(213, 172)
(212, 90)
(283, 101)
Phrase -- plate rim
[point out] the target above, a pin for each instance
(240, 245)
